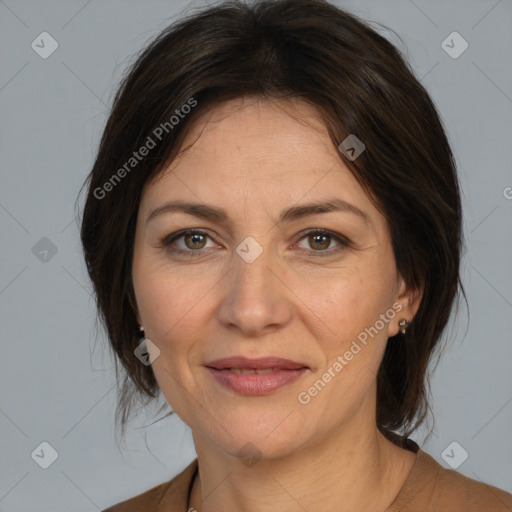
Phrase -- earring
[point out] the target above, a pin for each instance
(141, 332)
(403, 325)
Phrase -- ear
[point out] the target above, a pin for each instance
(137, 316)
(136, 312)
(133, 304)
(407, 302)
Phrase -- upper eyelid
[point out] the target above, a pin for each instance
(169, 239)
(319, 231)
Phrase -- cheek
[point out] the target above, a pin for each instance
(350, 304)
(346, 301)
(173, 315)
(168, 299)
(349, 307)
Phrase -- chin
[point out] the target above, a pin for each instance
(254, 437)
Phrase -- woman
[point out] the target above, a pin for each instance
(274, 210)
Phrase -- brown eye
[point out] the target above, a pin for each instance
(188, 243)
(194, 240)
(319, 241)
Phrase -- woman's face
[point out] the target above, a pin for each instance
(257, 281)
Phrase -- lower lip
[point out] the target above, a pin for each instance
(256, 383)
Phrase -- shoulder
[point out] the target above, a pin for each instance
(430, 486)
(173, 493)
(146, 501)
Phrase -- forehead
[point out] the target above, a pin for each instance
(249, 131)
(270, 154)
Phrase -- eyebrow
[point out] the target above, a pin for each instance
(293, 213)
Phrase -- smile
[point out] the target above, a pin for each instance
(255, 382)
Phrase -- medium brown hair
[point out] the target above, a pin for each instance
(360, 84)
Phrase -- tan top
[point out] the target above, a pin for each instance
(429, 488)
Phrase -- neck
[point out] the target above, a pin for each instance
(334, 474)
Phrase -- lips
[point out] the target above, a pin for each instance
(262, 363)
(255, 376)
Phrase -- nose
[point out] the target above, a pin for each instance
(255, 297)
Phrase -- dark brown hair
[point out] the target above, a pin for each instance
(360, 84)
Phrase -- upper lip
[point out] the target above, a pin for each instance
(261, 363)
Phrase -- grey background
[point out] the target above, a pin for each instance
(57, 381)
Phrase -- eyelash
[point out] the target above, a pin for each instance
(342, 241)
